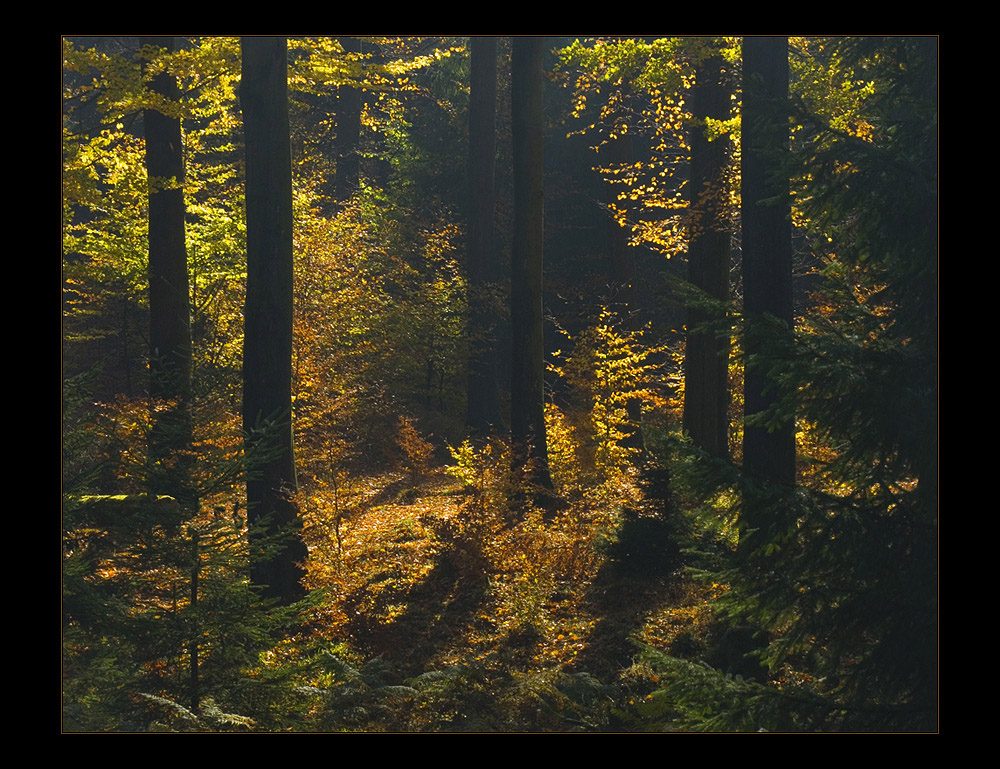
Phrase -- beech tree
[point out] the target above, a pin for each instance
(706, 352)
(527, 410)
(622, 272)
(267, 346)
(169, 314)
(349, 106)
(483, 410)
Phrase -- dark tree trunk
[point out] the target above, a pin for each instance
(706, 355)
(349, 106)
(527, 410)
(483, 413)
(170, 326)
(768, 454)
(267, 345)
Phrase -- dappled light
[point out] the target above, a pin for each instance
(499, 385)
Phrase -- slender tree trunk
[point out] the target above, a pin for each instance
(349, 106)
(169, 313)
(483, 412)
(267, 346)
(527, 411)
(706, 355)
(768, 454)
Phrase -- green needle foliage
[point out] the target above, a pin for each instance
(436, 610)
(142, 651)
(839, 580)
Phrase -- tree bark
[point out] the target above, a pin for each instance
(483, 410)
(169, 311)
(768, 454)
(527, 411)
(349, 106)
(706, 353)
(267, 346)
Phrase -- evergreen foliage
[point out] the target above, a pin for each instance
(637, 594)
(162, 630)
(839, 574)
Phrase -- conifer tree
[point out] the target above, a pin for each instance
(768, 442)
(838, 575)
(865, 373)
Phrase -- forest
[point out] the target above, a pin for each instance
(499, 384)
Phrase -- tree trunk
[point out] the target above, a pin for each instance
(349, 105)
(169, 313)
(768, 454)
(527, 410)
(706, 354)
(267, 345)
(483, 411)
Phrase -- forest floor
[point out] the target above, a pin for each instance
(425, 576)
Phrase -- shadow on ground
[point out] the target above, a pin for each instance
(631, 583)
(437, 611)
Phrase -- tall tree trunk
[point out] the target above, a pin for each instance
(706, 354)
(267, 345)
(527, 410)
(768, 454)
(483, 411)
(349, 106)
(169, 313)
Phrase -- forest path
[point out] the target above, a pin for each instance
(417, 582)
(393, 591)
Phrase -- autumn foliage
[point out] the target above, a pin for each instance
(445, 589)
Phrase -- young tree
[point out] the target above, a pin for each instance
(840, 572)
(483, 410)
(527, 410)
(869, 613)
(169, 314)
(267, 346)
(622, 257)
(706, 354)
(769, 438)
